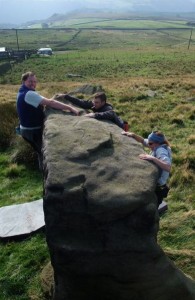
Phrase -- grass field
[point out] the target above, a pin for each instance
(118, 62)
(107, 32)
(118, 23)
(129, 66)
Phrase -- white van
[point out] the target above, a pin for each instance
(45, 51)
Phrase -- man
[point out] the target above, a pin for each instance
(101, 109)
(30, 108)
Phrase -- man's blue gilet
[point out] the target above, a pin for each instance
(29, 115)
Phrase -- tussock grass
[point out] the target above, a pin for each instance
(13, 171)
(191, 139)
(23, 153)
(183, 258)
(8, 123)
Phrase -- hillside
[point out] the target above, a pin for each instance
(60, 20)
(72, 19)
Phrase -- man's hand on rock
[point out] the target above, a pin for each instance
(90, 115)
(75, 111)
(146, 156)
(130, 134)
(59, 97)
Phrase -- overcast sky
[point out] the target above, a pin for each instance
(20, 11)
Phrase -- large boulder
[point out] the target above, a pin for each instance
(101, 215)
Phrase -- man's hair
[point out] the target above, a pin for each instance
(26, 75)
(101, 96)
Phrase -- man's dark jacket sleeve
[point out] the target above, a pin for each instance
(110, 115)
(81, 103)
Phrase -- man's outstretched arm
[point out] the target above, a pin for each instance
(59, 105)
(107, 115)
(79, 102)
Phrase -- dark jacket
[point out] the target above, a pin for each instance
(105, 112)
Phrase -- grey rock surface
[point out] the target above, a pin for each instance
(101, 215)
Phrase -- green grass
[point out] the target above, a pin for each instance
(127, 65)
(19, 184)
(114, 21)
(108, 63)
(20, 262)
(35, 38)
(110, 23)
(77, 38)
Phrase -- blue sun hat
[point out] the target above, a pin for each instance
(160, 139)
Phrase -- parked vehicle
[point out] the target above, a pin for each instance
(45, 51)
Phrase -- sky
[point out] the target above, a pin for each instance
(22, 11)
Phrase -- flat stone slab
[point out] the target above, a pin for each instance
(21, 219)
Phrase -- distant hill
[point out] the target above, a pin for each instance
(98, 13)
(63, 20)
(56, 18)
